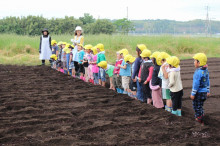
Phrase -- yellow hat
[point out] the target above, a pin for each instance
(142, 47)
(94, 50)
(64, 43)
(60, 43)
(66, 49)
(102, 64)
(174, 61)
(53, 42)
(88, 47)
(124, 52)
(100, 46)
(201, 57)
(53, 56)
(145, 53)
(129, 58)
(154, 55)
(72, 46)
(161, 56)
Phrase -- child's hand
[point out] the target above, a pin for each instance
(145, 82)
(208, 94)
(119, 65)
(139, 80)
(117, 75)
(192, 97)
(135, 79)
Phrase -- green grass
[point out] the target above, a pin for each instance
(23, 50)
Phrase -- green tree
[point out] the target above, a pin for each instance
(87, 18)
(124, 26)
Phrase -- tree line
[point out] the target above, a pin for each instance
(32, 25)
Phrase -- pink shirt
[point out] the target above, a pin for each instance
(95, 68)
(117, 69)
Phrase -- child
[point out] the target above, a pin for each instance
(132, 85)
(53, 58)
(95, 69)
(144, 77)
(155, 83)
(201, 85)
(125, 72)
(45, 46)
(101, 57)
(175, 84)
(71, 63)
(116, 77)
(109, 70)
(136, 66)
(67, 52)
(54, 47)
(163, 74)
(63, 58)
(80, 56)
(59, 56)
(86, 59)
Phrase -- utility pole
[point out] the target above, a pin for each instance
(127, 13)
(207, 24)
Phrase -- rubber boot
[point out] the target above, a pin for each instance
(179, 113)
(125, 92)
(92, 81)
(174, 112)
(118, 90)
(84, 79)
(122, 91)
(166, 108)
(169, 109)
(61, 70)
(65, 72)
(81, 77)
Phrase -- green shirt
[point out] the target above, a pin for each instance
(100, 57)
(109, 70)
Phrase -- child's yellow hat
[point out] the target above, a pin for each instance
(53, 56)
(103, 64)
(154, 55)
(145, 53)
(129, 58)
(88, 47)
(100, 46)
(201, 57)
(142, 47)
(80, 45)
(66, 49)
(174, 61)
(59, 43)
(64, 43)
(124, 52)
(53, 42)
(94, 50)
(161, 56)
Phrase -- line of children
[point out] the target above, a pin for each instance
(149, 78)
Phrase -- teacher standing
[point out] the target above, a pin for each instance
(45, 48)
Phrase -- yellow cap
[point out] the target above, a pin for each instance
(88, 47)
(53, 42)
(201, 57)
(145, 53)
(142, 47)
(161, 56)
(174, 61)
(100, 46)
(94, 50)
(60, 43)
(154, 55)
(80, 45)
(124, 52)
(129, 58)
(72, 46)
(64, 43)
(53, 56)
(66, 49)
(102, 64)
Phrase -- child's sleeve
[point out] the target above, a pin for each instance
(208, 84)
(136, 69)
(196, 83)
(171, 79)
(82, 40)
(151, 69)
(139, 73)
(40, 45)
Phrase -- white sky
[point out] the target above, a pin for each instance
(182, 10)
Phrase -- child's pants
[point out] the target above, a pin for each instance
(198, 104)
(117, 81)
(67, 61)
(157, 99)
(90, 74)
(101, 74)
(176, 99)
(125, 82)
(86, 74)
(96, 79)
(140, 91)
(146, 91)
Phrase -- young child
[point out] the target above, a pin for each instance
(80, 56)
(59, 65)
(132, 85)
(95, 68)
(201, 85)
(155, 83)
(86, 59)
(125, 71)
(67, 52)
(63, 58)
(109, 70)
(175, 84)
(116, 77)
(145, 75)
(163, 74)
(101, 57)
(53, 58)
(71, 63)
(136, 68)
(54, 47)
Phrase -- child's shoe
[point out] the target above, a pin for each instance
(118, 90)
(175, 113)
(81, 77)
(179, 113)
(65, 72)
(169, 109)
(124, 92)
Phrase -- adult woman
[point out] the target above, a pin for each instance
(78, 39)
(45, 48)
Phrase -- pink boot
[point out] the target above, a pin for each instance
(84, 79)
(61, 70)
(81, 77)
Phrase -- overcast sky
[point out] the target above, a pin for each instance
(182, 10)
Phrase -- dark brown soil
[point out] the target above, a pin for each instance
(40, 106)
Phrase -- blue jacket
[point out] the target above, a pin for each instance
(136, 68)
(200, 81)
